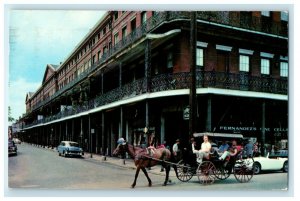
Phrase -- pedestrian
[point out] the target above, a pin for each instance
(204, 151)
(249, 148)
(176, 150)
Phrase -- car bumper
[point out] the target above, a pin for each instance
(12, 152)
(74, 153)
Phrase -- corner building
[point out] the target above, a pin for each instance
(134, 73)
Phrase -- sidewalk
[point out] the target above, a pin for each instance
(129, 163)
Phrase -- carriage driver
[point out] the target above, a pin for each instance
(121, 141)
(204, 151)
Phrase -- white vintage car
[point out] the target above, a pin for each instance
(269, 163)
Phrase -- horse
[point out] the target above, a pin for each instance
(143, 159)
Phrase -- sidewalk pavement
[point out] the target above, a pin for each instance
(125, 163)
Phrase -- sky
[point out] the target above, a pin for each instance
(38, 38)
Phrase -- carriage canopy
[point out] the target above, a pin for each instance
(220, 135)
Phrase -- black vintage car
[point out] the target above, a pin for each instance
(12, 148)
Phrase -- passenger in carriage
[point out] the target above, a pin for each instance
(204, 151)
(229, 155)
(224, 147)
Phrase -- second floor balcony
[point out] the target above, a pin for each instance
(177, 81)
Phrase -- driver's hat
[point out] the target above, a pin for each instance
(121, 141)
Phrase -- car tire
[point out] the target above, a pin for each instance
(256, 168)
(285, 167)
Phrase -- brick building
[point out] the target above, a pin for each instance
(140, 75)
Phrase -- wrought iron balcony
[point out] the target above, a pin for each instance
(243, 82)
(165, 82)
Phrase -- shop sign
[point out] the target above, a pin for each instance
(150, 129)
(250, 128)
(186, 113)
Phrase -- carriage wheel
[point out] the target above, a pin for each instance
(223, 173)
(184, 171)
(243, 172)
(206, 172)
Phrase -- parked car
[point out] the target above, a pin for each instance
(12, 148)
(69, 148)
(16, 140)
(263, 163)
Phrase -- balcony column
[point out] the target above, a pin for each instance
(148, 65)
(121, 130)
(81, 132)
(263, 128)
(102, 81)
(60, 132)
(208, 116)
(72, 134)
(103, 148)
(146, 121)
(91, 137)
(120, 74)
(192, 96)
(66, 135)
(121, 134)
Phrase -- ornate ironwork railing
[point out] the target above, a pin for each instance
(241, 81)
(165, 82)
(237, 19)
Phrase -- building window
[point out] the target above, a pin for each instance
(124, 32)
(116, 38)
(144, 17)
(170, 60)
(244, 63)
(265, 13)
(116, 15)
(284, 69)
(284, 16)
(199, 57)
(99, 55)
(133, 25)
(94, 59)
(154, 13)
(104, 49)
(265, 66)
(104, 30)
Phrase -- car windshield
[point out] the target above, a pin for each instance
(74, 144)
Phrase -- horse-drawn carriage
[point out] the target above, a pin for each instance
(207, 171)
(212, 168)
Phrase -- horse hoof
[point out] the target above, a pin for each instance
(132, 186)
(150, 185)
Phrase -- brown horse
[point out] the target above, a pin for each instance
(143, 159)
